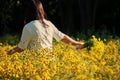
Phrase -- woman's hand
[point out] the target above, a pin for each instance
(80, 45)
(16, 49)
(11, 52)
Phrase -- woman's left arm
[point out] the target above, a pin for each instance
(69, 40)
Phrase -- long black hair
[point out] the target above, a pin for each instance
(32, 11)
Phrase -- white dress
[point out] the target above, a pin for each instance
(36, 35)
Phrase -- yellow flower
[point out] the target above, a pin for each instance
(37, 77)
(1, 44)
(63, 63)
(102, 63)
(95, 67)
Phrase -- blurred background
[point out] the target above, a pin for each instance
(73, 17)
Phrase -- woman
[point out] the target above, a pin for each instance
(39, 32)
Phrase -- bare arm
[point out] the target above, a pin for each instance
(69, 40)
(16, 49)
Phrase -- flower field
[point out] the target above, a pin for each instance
(64, 62)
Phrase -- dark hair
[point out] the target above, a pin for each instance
(32, 11)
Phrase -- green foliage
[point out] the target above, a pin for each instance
(9, 39)
(118, 44)
(88, 44)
